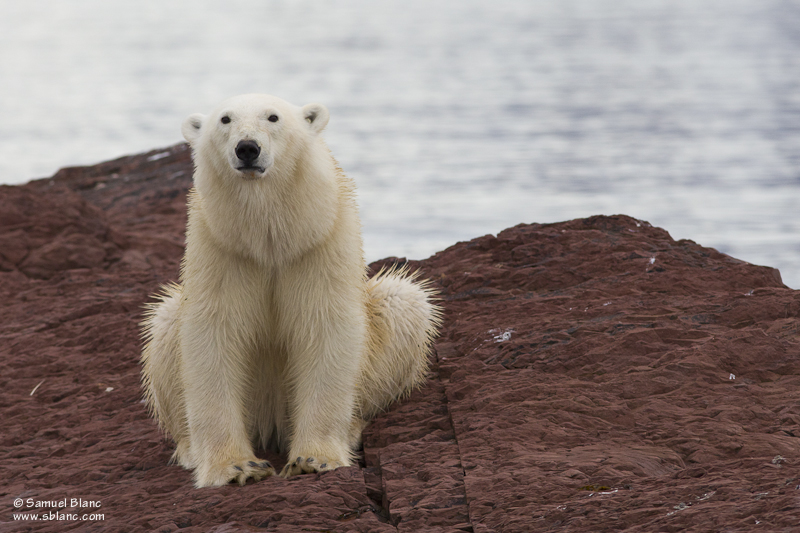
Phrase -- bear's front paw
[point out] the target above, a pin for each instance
(309, 465)
(237, 470)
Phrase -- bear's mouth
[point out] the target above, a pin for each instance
(250, 168)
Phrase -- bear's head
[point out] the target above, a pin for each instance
(252, 136)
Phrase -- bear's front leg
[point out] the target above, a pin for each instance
(216, 380)
(326, 330)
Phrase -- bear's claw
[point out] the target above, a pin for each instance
(238, 470)
(308, 465)
(256, 470)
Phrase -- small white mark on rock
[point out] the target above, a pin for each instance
(731, 377)
(156, 157)
(36, 387)
(506, 335)
(652, 260)
(109, 389)
(680, 507)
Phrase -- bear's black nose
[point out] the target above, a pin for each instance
(247, 151)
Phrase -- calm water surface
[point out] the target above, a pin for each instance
(455, 118)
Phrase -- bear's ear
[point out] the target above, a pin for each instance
(317, 116)
(191, 127)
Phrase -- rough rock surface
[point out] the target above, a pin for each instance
(592, 375)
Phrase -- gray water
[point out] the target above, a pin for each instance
(456, 118)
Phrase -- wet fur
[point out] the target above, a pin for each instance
(275, 337)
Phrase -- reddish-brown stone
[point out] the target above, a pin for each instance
(592, 375)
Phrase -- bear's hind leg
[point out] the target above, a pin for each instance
(403, 321)
(161, 356)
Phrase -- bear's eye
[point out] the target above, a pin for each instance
(273, 118)
(225, 119)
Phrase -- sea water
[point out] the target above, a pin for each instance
(456, 118)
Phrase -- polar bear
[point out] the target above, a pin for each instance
(275, 337)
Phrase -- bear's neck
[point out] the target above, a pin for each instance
(274, 219)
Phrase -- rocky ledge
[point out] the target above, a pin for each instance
(592, 375)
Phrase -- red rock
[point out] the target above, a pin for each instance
(592, 375)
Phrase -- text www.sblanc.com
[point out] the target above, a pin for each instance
(55, 515)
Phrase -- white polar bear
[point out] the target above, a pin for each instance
(275, 337)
